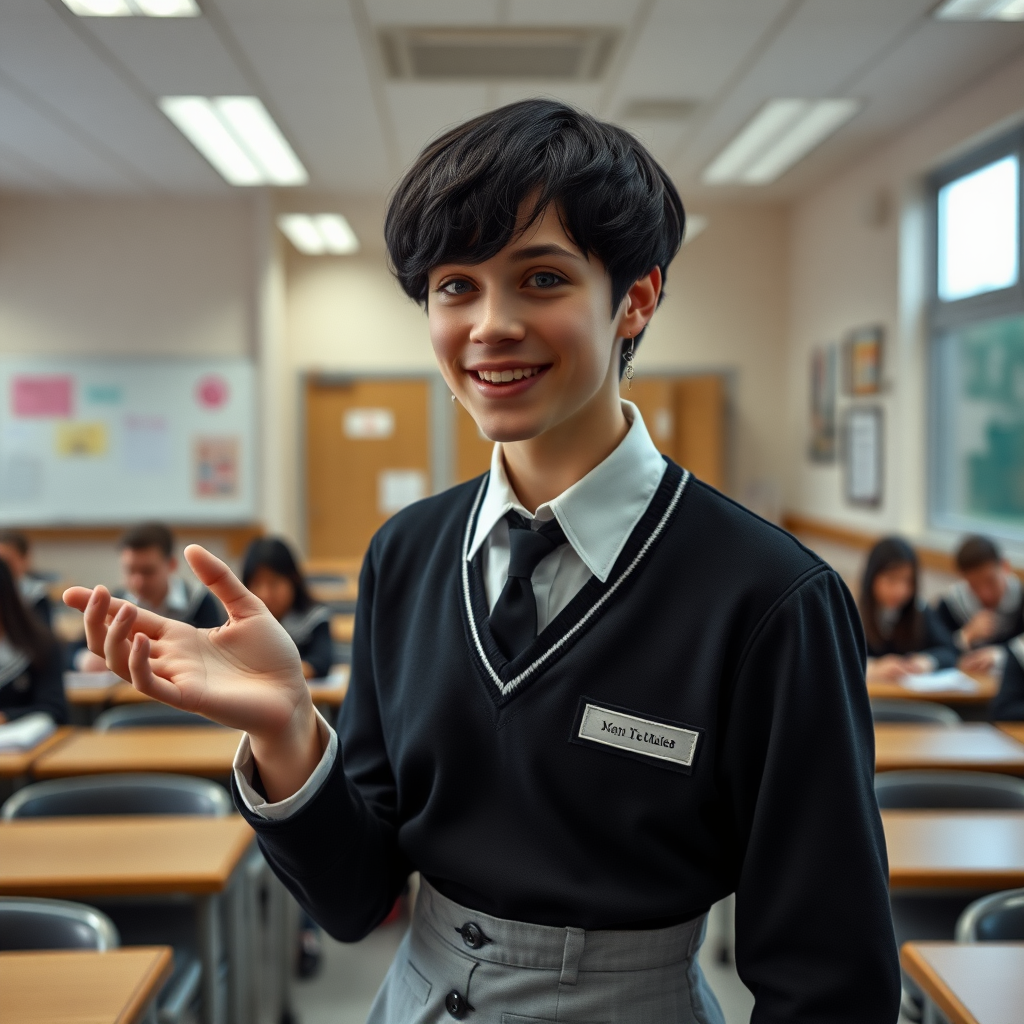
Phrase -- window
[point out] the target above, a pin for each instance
(977, 345)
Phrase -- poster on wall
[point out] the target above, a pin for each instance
(863, 451)
(862, 361)
(822, 446)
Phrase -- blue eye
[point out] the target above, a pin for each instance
(546, 279)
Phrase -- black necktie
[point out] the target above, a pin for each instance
(514, 618)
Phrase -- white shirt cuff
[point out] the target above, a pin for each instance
(244, 763)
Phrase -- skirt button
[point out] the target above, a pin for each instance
(456, 1004)
(472, 935)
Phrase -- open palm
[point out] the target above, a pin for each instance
(246, 674)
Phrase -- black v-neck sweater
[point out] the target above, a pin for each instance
(474, 771)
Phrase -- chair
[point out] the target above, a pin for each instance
(140, 922)
(134, 716)
(28, 923)
(118, 794)
(995, 918)
(923, 711)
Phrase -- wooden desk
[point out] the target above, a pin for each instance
(971, 983)
(971, 746)
(343, 628)
(955, 849)
(1012, 729)
(333, 695)
(81, 986)
(14, 763)
(179, 749)
(987, 687)
(95, 695)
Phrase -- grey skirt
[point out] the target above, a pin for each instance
(459, 964)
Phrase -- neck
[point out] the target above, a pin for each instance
(542, 467)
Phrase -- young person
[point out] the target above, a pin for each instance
(35, 592)
(270, 571)
(590, 695)
(905, 637)
(31, 679)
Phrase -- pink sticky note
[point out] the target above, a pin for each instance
(42, 396)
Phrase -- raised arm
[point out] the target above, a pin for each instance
(245, 674)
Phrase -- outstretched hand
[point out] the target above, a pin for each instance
(245, 674)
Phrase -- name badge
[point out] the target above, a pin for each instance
(672, 745)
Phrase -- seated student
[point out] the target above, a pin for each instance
(904, 636)
(984, 611)
(35, 592)
(30, 660)
(148, 566)
(272, 574)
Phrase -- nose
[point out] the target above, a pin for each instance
(497, 322)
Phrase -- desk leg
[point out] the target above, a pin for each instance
(208, 914)
(240, 949)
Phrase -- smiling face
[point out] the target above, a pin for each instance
(526, 340)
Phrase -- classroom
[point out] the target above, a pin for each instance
(339, 682)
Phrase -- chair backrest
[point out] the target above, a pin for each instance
(948, 790)
(924, 711)
(27, 923)
(995, 918)
(135, 716)
(119, 794)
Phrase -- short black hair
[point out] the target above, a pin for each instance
(149, 535)
(976, 551)
(460, 201)
(274, 554)
(15, 539)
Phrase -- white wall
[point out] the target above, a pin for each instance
(852, 267)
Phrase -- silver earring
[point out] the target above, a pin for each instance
(453, 399)
(629, 365)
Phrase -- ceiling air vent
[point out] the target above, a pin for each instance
(491, 54)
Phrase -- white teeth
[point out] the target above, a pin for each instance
(504, 376)
(517, 374)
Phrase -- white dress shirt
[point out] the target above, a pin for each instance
(597, 513)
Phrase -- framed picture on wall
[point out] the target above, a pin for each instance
(862, 361)
(863, 455)
(822, 447)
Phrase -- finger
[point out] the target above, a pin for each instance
(117, 645)
(95, 619)
(77, 597)
(209, 569)
(144, 679)
(147, 622)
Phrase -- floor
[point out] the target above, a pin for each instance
(344, 989)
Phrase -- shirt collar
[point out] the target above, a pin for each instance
(598, 512)
(176, 600)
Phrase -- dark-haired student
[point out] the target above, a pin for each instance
(984, 611)
(904, 635)
(16, 551)
(270, 571)
(30, 660)
(590, 695)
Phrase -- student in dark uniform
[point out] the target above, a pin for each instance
(272, 574)
(149, 567)
(35, 592)
(590, 695)
(904, 635)
(31, 679)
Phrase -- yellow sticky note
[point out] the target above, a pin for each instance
(81, 440)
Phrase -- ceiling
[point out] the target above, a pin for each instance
(78, 96)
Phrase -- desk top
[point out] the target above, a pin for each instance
(971, 983)
(332, 695)
(955, 849)
(72, 858)
(987, 687)
(17, 762)
(1014, 729)
(81, 986)
(971, 746)
(179, 749)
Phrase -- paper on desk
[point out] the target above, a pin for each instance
(25, 733)
(89, 680)
(933, 682)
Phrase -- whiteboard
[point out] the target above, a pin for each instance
(109, 441)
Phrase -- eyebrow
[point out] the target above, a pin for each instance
(533, 252)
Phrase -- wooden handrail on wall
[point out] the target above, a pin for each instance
(235, 537)
(930, 558)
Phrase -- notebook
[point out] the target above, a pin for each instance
(25, 733)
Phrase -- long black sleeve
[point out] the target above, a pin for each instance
(44, 692)
(1008, 703)
(318, 650)
(812, 906)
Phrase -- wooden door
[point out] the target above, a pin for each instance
(701, 427)
(367, 454)
(472, 449)
(655, 397)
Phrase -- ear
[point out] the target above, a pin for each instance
(639, 304)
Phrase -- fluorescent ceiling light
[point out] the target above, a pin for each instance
(315, 234)
(130, 8)
(237, 136)
(780, 135)
(981, 10)
(695, 225)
